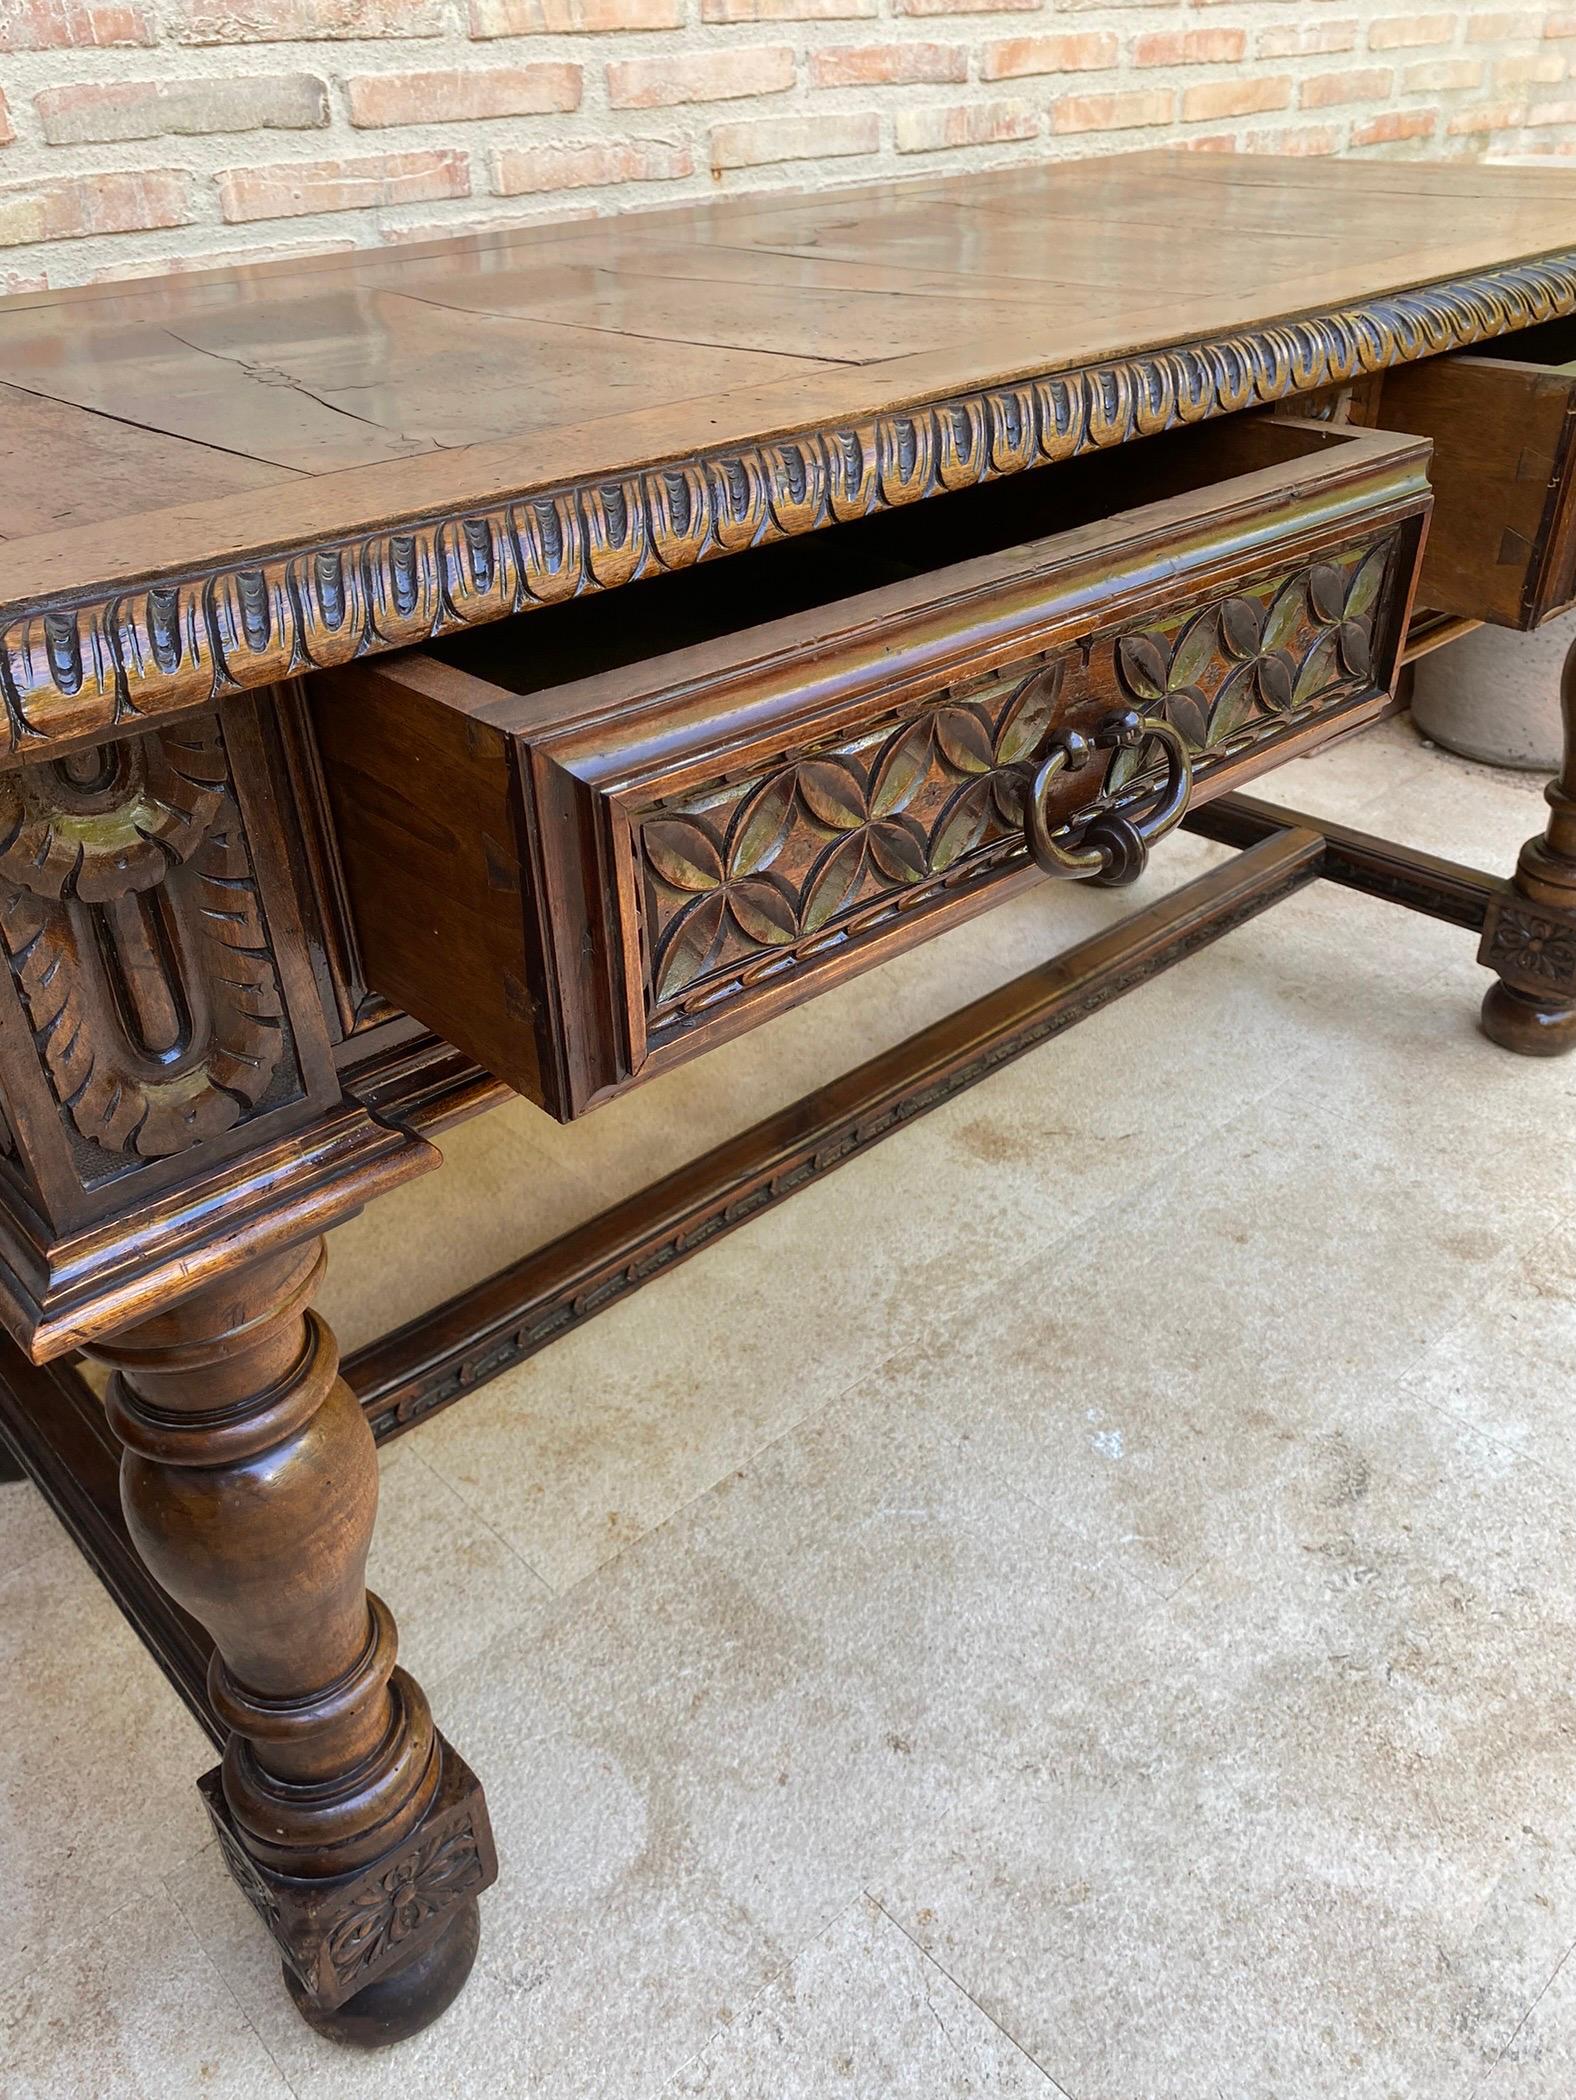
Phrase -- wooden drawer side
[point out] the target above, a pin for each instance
(435, 864)
(1502, 546)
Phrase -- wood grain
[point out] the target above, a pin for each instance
(484, 428)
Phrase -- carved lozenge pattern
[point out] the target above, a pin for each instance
(745, 881)
(131, 921)
(79, 670)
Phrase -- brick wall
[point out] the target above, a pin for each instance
(150, 134)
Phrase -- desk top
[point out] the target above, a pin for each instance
(218, 479)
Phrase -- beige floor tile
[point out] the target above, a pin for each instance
(453, 1585)
(1539, 2062)
(1506, 1366)
(862, 2012)
(1326, 1847)
(27, 1524)
(99, 1763)
(133, 2010)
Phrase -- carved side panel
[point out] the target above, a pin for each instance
(133, 926)
(744, 881)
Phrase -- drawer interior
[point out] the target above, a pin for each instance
(587, 638)
(1551, 344)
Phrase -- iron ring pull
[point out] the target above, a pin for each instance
(1111, 849)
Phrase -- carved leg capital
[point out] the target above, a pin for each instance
(249, 1482)
(1529, 938)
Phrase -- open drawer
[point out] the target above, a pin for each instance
(591, 840)
(1502, 418)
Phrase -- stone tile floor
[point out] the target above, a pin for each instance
(1080, 1603)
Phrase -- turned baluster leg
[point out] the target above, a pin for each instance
(1530, 937)
(250, 1482)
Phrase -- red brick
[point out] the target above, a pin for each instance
(72, 25)
(1428, 75)
(887, 65)
(1560, 25)
(1213, 99)
(965, 7)
(1395, 125)
(101, 111)
(1113, 112)
(70, 207)
(1500, 28)
(1190, 47)
(1014, 56)
(1209, 142)
(1306, 141)
(1391, 31)
(787, 10)
(964, 124)
(297, 189)
(1541, 70)
(518, 170)
(1307, 40)
(700, 76)
(1484, 116)
(593, 17)
(454, 97)
(1321, 90)
(298, 21)
(1549, 113)
(771, 139)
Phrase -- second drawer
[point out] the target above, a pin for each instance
(592, 840)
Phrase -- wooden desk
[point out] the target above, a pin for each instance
(971, 532)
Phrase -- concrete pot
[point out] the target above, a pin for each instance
(1495, 695)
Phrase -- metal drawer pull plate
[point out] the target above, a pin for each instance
(1111, 849)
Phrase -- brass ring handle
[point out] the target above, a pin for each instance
(1111, 849)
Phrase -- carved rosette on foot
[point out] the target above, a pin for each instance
(1529, 938)
(250, 1483)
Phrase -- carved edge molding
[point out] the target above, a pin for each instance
(79, 667)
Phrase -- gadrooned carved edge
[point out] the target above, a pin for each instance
(72, 669)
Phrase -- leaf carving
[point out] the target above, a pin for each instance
(834, 880)
(762, 911)
(1195, 650)
(1185, 712)
(964, 740)
(682, 852)
(903, 770)
(1276, 676)
(1141, 666)
(690, 943)
(1026, 719)
(1326, 592)
(1365, 584)
(1241, 624)
(1356, 647)
(832, 792)
(962, 825)
(761, 828)
(897, 847)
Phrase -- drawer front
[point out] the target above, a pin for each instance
(747, 881)
(1502, 545)
(654, 861)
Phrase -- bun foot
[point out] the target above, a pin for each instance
(1530, 1026)
(402, 2001)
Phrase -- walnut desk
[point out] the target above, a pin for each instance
(964, 534)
